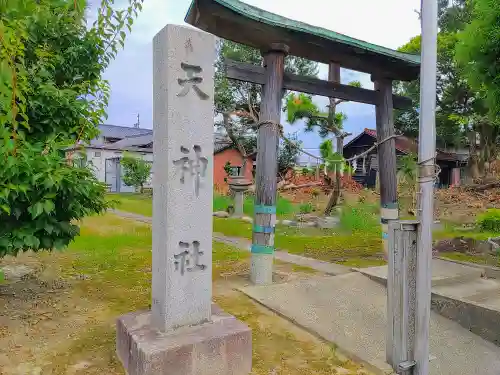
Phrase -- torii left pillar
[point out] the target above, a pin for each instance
(261, 272)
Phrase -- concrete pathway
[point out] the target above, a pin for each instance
(244, 244)
(350, 311)
(130, 215)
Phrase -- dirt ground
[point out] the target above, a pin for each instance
(454, 205)
(59, 317)
(462, 206)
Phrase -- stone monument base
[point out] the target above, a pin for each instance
(220, 347)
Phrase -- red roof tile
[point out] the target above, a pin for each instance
(403, 143)
(410, 145)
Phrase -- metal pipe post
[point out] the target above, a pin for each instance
(426, 177)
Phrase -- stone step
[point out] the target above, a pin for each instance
(494, 304)
(443, 273)
(475, 290)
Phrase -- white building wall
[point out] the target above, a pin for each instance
(97, 159)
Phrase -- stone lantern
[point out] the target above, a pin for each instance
(238, 185)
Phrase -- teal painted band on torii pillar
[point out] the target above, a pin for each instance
(263, 209)
(262, 229)
(262, 249)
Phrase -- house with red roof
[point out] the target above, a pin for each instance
(452, 164)
(105, 152)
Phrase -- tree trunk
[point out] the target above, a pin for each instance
(472, 163)
(488, 154)
(236, 142)
(334, 76)
(335, 194)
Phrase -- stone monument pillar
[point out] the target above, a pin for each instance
(184, 333)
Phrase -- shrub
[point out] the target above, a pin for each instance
(306, 208)
(136, 171)
(53, 95)
(283, 206)
(360, 218)
(315, 193)
(489, 221)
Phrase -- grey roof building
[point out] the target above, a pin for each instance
(114, 137)
(114, 133)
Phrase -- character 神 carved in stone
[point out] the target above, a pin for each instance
(196, 167)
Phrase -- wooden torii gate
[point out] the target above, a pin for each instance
(277, 36)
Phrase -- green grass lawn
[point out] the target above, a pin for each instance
(142, 204)
(61, 320)
(136, 203)
(284, 208)
(483, 259)
(357, 243)
(355, 249)
(453, 231)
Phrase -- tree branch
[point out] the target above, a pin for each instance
(235, 140)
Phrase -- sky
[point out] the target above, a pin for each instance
(390, 23)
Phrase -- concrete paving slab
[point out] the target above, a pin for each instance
(350, 311)
(318, 265)
(443, 273)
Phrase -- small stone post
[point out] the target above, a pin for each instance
(184, 334)
(401, 295)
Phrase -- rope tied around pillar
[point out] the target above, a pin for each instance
(279, 128)
(429, 172)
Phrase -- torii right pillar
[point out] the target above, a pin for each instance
(389, 210)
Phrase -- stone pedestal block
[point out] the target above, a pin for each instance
(222, 346)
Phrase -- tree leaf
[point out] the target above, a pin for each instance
(48, 206)
(36, 210)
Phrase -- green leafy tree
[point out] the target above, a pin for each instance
(462, 112)
(301, 106)
(478, 51)
(136, 171)
(407, 180)
(237, 104)
(332, 159)
(52, 97)
(289, 153)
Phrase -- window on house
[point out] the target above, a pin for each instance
(80, 162)
(97, 154)
(235, 171)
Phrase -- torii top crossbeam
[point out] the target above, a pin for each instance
(248, 25)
